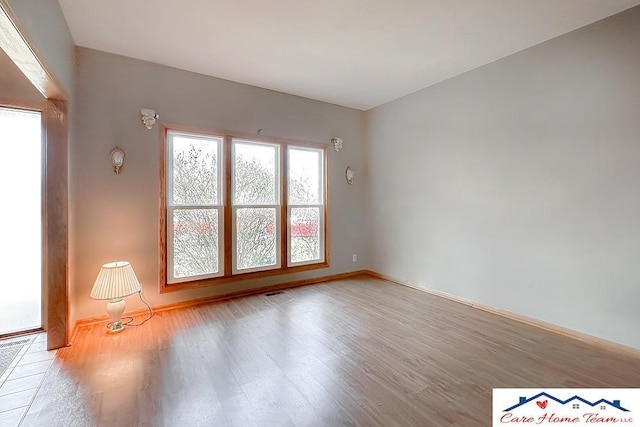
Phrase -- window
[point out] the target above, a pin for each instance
(235, 206)
(256, 205)
(194, 207)
(306, 206)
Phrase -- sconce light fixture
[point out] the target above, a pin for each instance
(149, 117)
(349, 175)
(117, 159)
(337, 143)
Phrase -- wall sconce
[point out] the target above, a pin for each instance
(149, 117)
(117, 159)
(349, 175)
(337, 143)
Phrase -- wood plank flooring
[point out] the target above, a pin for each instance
(361, 352)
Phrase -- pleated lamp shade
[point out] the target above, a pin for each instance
(115, 280)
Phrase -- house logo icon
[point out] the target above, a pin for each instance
(542, 399)
(578, 407)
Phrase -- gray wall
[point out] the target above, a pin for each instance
(516, 185)
(116, 217)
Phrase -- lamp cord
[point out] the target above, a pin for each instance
(129, 319)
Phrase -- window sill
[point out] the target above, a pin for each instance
(193, 284)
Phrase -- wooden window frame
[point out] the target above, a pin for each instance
(228, 275)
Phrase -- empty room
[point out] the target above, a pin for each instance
(334, 213)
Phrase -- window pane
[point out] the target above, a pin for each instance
(195, 242)
(305, 234)
(255, 174)
(256, 230)
(195, 170)
(305, 176)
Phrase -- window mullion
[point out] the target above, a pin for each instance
(229, 234)
(169, 243)
(193, 206)
(306, 206)
(284, 211)
(255, 206)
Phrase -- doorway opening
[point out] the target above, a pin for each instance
(21, 185)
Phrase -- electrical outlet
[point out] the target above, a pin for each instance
(355, 257)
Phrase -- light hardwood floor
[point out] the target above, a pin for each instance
(361, 351)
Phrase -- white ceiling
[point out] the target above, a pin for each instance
(356, 53)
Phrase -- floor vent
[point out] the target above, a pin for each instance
(270, 294)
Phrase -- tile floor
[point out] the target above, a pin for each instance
(22, 380)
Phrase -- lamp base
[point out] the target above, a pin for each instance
(115, 328)
(115, 308)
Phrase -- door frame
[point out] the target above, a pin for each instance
(55, 218)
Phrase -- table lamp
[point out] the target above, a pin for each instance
(115, 281)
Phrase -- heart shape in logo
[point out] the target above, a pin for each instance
(542, 404)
